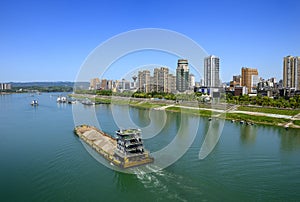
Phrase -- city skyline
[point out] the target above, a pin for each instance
(50, 41)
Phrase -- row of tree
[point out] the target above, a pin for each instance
(293, 102)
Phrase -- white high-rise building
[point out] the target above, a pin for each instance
(254, 82)
(211, 71)
(192, 81)
(291, 72)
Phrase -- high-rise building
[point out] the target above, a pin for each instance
(94, 84)
(211, 71)
(123, 85)
(144, 81)
(236, 81)
(110, 84)
(171, 83)
(5, 86)
(104, 85)
(160, 79)
(250, 78)
(182, 75)
(291, 72)
(192, 81)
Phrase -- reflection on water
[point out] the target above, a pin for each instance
(141, 114)
(248, 134)
(290, 139)
(212, 137)
(123, 181)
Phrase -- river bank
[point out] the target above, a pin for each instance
(287, 118)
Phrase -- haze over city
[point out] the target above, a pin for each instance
(49, 41)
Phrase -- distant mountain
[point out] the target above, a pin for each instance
(81, 85)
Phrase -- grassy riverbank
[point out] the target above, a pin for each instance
(296, 122)
(290, 112)
(205, 111)
(257, 119)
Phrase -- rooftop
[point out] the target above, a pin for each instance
(128, 131)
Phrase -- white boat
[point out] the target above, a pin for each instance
(88, 102)
(34, 103)
(61, 99)
(71, 101)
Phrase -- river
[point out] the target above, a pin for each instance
(42, 160)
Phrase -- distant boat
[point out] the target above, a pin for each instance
(88, 102)
(34, 103)
(61, 99)
(71, 101)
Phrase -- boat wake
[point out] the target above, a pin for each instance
(164, 184)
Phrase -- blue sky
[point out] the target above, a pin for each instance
(49, 40)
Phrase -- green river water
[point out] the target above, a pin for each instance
(42, 160)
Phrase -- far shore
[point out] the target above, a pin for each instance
(288, 118)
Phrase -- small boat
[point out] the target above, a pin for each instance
(71, 101)
(88, 102)
(242, 122)
(232, 121)
(61, 99)
(34, 103)
(209, 119)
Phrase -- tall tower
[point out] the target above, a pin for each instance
(291, 72)
(250, 78)
(182, 75)
(134, 78)
(211, 71)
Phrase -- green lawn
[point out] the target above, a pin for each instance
(103, 100)
(296, 122)
(146, 105)
(192, 111)
(289, 112)
(256, 119)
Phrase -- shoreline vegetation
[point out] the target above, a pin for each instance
(288, 118)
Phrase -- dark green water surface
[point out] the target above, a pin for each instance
(42, 160)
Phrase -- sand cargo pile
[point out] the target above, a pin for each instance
(125, 150)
